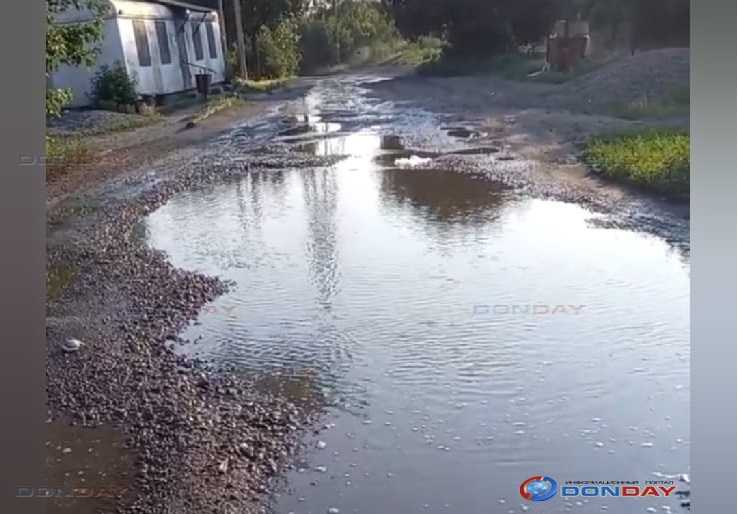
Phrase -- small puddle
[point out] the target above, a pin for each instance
(463, 133)
(406, 158)
(483, 150)
(358, 144)
(385, 150)
(87, 470)
(309, 125)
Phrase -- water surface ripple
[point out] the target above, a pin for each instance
(466, 338)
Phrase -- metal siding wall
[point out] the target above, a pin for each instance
(144, 74)
(218, 63)
(172, 76)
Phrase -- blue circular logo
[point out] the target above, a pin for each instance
(539, 488)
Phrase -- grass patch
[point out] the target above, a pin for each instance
(656, 159)
(134, 122)
(218, 104)
(260, 86)
(63, 153)
(67, 150)
(674, 103)
(425, 49)
(57, 279)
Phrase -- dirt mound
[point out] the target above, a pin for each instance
(653, 75)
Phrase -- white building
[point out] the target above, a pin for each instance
(162, 43)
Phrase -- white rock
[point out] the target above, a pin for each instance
(72, 345)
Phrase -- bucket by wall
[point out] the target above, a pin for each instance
(202, 83)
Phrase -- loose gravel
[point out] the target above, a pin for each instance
(206, 439)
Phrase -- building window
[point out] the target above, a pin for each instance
(163, 39)
(211, 41)
(142, 43)
(197, 41)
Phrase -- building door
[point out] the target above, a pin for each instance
(184, 62)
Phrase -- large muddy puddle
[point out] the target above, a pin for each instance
(464, 338)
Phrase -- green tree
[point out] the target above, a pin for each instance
(265, 13)
(477, 27)
(74, 44)
(278, 52)
(493, 26)
(360, 23)
(649, 23)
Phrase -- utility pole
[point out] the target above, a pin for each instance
(224, 39)
(335, 19)
(240, 41)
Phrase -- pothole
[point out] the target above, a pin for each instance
(463, 133)
(319, 127)
(360, 143)
(405, 158)
(482, 150)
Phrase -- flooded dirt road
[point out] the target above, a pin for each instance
(470, 317)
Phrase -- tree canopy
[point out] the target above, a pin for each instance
(71, 44)
(493, 26)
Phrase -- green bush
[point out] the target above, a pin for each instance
(335, 36)
(287, 38)
(655, 159)
(63, 153)
(424, 49)
(113, 84)
(56, 99)
(317, 45)
(360, 24)
(278, 51)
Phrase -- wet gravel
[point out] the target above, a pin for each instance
(206, 440)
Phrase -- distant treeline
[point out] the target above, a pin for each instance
(284, 37)
(287, 36)
(495, 26)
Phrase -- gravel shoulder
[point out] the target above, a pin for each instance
(199, 439)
